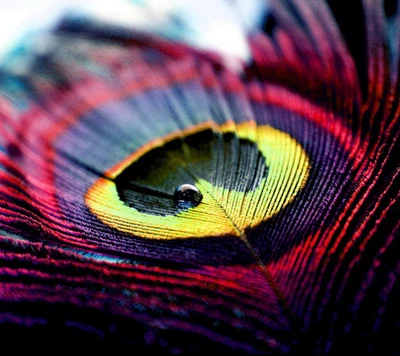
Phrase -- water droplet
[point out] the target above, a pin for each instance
(187, 196)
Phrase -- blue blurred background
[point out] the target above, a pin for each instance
(218, 25)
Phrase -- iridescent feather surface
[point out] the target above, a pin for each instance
(155, 198)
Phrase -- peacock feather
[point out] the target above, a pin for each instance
(156, 198)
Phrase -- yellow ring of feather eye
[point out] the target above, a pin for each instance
(221, 212)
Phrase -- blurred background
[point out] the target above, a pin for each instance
(218, 25)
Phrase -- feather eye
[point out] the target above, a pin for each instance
(251, 159)
(152, 189)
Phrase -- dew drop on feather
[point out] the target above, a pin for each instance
(187, 196)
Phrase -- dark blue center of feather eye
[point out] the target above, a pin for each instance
(187, 196)
(222, 159)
